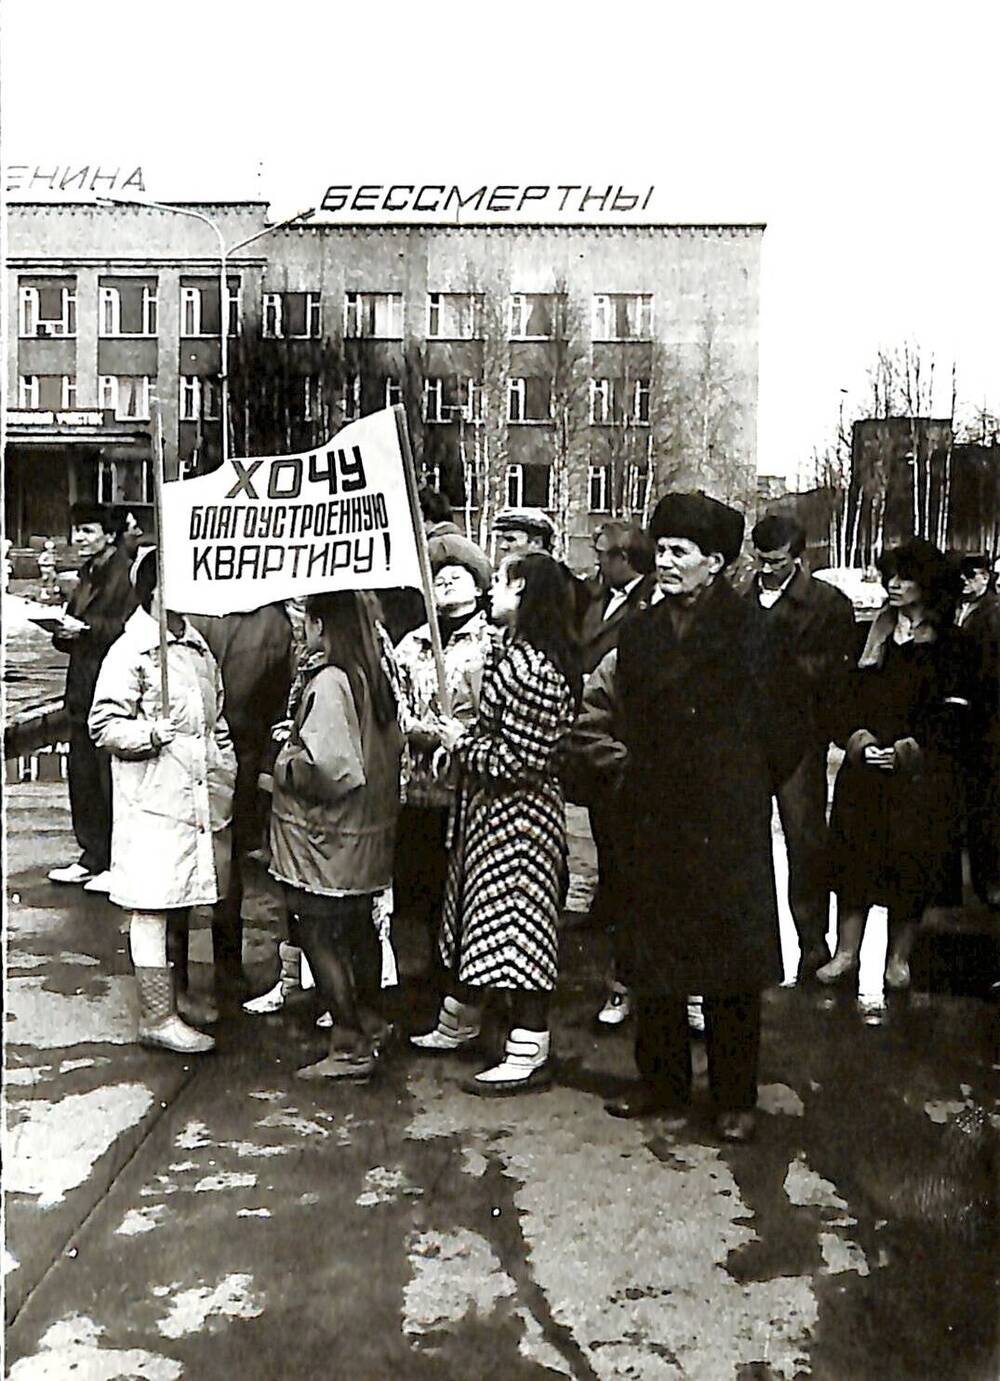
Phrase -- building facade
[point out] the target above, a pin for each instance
(579, 368)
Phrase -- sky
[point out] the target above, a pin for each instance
(865, 135)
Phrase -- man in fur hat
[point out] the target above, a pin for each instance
(681, 721)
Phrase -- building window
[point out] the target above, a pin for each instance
(271, 326)
(393, 392)
(111, 312)
(210, 399)
(529, 400)
(199, 398)
(598, 486)
(532, 316)
(622, 316)
(536, 489)
(352, 398)
(190, 312)
(29, 311)
(233, 314)
(451, 316)
(474, 406)
(435, 409)
(601, 401)
(312, 398)
(124, 481)
(27, 391)
(68, 399)
(378, 315)
(149, 313)
(640, 401)
(127, 396)
(637, 488)
(47, 309)
(126, 308)
(295, 315)
(515, 486)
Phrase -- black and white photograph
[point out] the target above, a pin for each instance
(501, 692)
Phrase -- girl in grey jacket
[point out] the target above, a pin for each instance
(333, 817)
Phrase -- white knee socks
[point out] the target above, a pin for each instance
(147, 937)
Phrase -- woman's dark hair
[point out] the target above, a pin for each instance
(350, 631)
(923, 562)
(545, 615)
(147, 574)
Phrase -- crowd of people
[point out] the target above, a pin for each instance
(676, 703)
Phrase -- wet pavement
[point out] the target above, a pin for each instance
(172, 1218)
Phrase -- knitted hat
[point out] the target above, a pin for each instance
(712, 525)
(452, 549)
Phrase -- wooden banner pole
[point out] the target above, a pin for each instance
(416, 517)
(161, 597)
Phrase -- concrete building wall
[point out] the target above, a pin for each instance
(704, 282)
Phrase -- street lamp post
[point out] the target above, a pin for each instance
(223, 284)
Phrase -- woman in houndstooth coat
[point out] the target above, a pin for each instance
(508, 860)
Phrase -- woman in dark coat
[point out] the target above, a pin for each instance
(895, 822)
(978, 616)
(684, 715)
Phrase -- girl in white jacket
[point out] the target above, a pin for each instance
(173, 773)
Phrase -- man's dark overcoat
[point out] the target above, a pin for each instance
(705, 752)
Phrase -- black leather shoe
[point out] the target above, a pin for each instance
(644, 1101)
(736, 1126)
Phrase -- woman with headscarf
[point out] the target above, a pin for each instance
(680, 720)
(895, 821)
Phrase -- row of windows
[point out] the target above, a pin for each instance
(130, 308)
(528, 399)
(533, 485)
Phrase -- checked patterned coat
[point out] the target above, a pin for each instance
(508, 861)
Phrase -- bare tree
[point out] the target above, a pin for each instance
(568, 371)
(284, 395)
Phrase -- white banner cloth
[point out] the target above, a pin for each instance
(280, 527)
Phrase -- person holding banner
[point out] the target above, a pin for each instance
(173, 773)
(460, 580)
(508, 860)
(333, 816)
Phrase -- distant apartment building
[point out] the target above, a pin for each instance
(578, 368)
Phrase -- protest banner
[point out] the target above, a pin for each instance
(260, 529)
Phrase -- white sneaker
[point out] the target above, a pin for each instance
(696, 1016)
(271, 1001)
(72, 872)
(101, 882)
(617, 1008)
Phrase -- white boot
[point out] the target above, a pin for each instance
(289, 981)
(160, 1025)
(525, 1065)
(457, 1026)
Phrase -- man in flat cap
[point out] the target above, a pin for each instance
(531, 529)
(805, 627)
(681, 719)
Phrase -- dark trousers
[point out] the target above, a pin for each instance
(90, 798)
(608, 908)
(227, 917)
(802, 809)
(732, 1041)
(982, 797)
(421, 865)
